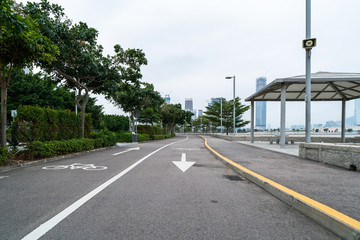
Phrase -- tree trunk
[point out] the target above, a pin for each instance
(227, 130)
(82, 107)
(3, 112)
(132, 121)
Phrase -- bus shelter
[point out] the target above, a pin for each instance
(325, 86)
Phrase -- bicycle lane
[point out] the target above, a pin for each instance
(32, 195)
(156, 200)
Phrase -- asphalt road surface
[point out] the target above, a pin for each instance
(142, 194)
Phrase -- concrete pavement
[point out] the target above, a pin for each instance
(334, 187)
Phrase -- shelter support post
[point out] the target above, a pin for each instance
(252, 122)
(282, 115)
(343, 119)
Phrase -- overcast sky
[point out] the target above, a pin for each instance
(192, 45)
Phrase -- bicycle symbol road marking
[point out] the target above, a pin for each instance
(73, 166)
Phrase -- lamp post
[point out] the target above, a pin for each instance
(233, 101)
(221, 127)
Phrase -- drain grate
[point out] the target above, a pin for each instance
(234, 177)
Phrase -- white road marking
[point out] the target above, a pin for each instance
(131, 149)
(183, 165)
(73, 166)
(1, 177)
(47, 226)
(187, 149)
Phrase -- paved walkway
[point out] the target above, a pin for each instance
(291, 149)
(335, 187)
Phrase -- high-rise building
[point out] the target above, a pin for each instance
(167, 99)
(357, 111)
(260, 122)
(214, 100)
(189, 104)
(200, 112)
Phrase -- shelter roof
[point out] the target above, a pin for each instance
(325, 86)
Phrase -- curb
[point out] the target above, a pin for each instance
(67, 156)
(336, 222)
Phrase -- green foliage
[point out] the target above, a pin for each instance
(39, 149)
(4, 155)
(81, 62)
(213, 113)
(143, 137)
(21, 44)
(173, 115)
(136, 97)
(147, 129)
(158, 137)
(104, 138)
(39, 90)
(116, 123)
(45, 124)
(124, 137)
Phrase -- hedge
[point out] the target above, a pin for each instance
(45, 124)
(104, 138)
(148, 129)
(39, 149)
(4, 155)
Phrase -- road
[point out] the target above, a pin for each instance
(142, 194)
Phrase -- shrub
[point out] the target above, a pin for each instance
(107, 138)
(143, 137)
(39, 149)
(4, 155)
(124, 137)
(158, 137)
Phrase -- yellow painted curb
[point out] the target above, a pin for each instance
(308, 201)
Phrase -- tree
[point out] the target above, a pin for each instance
(81, 62)
(213, 114)
(172, 114)
(136, 97)
(21, 44)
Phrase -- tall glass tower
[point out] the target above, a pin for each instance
(189, 104)
(260, 119)
(357, 111)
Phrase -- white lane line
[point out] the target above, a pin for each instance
(45, 227)
(130, 149)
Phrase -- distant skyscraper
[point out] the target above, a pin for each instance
(357, 111)
(260, 122)
(167, 99)
(200, 112)
(214, 100)
(189, 104)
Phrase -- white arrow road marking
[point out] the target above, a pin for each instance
(1, 177)
(130, 149)
(183, 164)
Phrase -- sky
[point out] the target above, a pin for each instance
(192, 45)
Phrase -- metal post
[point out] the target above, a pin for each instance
(308, 75)
(343, 120)
(283, 114)
(221, 115)
(252, 122)
(76, 111)
(234, 106)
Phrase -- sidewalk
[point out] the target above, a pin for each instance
(291, 149)
(334, 187)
